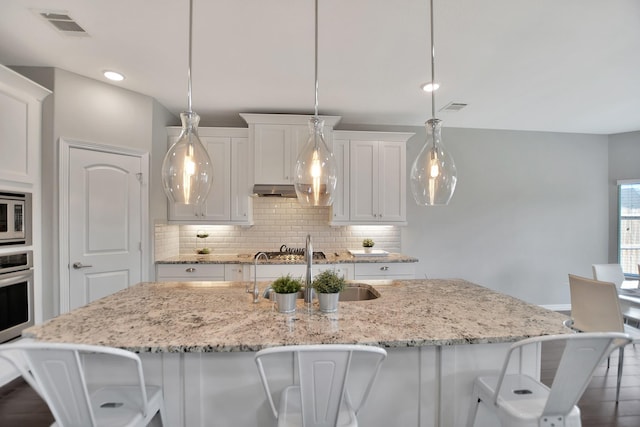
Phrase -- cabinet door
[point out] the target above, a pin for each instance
(340, 208)
(364, 181)
(273, 154)
(343, 270)
(179, 211)
(392, 182)
(218, 204)
(241, 207)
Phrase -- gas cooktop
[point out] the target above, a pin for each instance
(291, 255)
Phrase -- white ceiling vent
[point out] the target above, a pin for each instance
(63, 23)
(453, 106)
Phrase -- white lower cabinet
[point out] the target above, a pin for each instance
(384, 271)
(189, 272)
(273, 271)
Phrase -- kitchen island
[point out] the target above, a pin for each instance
(198, 339)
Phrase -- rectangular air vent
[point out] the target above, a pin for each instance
(63, 23)
(453, 106)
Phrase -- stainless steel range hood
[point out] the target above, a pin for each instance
(275, 190)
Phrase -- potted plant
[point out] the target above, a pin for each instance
(328, 286)
(286, 289)
(367, 244)
(201, 234)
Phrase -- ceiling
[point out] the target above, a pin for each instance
(547, 65)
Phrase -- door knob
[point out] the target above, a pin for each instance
(79, 265)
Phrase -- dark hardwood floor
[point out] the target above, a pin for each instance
(20, 406)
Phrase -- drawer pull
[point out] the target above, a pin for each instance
(385, 268)
(190, 270)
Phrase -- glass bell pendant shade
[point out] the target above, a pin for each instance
(187, 173)
(315, 173)
(433, 174)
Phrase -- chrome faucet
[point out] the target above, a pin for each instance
(308, 253)
(255, 291)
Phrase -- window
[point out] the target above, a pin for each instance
(629, 226)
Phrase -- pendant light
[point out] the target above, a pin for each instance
(433, 174)
(187, 173)
(315, 176)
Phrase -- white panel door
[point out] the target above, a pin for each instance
(104, 224)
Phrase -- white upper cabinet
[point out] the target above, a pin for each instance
(277, 139)
(229, 201)
(375, 189)
(20, 122)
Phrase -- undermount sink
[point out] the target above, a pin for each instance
(359, 292)
(352, 292)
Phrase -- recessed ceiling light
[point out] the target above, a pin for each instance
(428, 88)
(112, 75)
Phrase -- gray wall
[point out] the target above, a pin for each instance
(529, 208)
(624, 163)
(89, 110)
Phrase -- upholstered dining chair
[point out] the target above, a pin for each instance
(613, 273)
(55, 371)
(595, 308)
(321, 395)
(608, 273)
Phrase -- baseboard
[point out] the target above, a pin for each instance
(557, 307)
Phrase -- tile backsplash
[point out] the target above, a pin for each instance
(277, 221)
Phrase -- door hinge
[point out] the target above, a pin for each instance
(139, 177)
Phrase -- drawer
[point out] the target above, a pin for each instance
(189, 272)
(389, 270)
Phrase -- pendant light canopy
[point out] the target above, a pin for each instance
(433, 173)
(187, 172)
(315, 172)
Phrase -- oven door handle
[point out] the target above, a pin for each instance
(79, 265)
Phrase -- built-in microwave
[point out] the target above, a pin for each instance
(15, 218)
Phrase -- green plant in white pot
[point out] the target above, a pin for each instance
(368, 244)
(286, 289)
(328, 286)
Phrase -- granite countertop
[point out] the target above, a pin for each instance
(247, 258)
(220, 317)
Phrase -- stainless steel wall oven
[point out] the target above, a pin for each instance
(16, 294)
(15, 218)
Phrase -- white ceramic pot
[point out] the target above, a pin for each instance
(286, 302)
(328, 302)
(367, 250)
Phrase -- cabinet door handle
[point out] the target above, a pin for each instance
(384, 268)
(190, 270)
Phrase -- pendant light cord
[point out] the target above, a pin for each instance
(316, 58)
(433, 67)
(189, 69)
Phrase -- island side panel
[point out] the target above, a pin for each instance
(221, 389)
